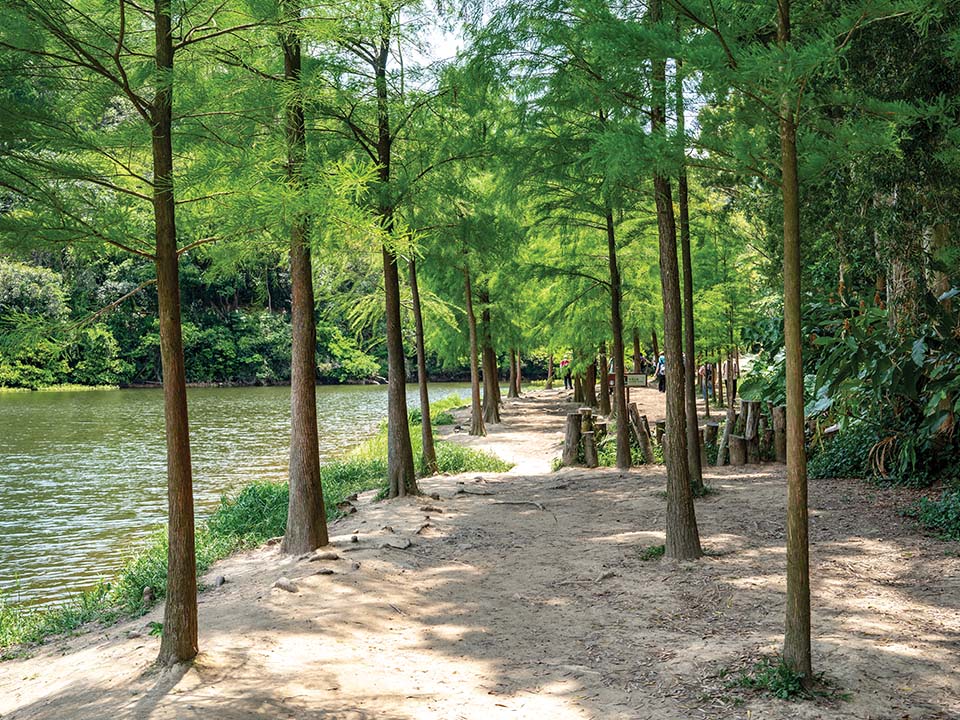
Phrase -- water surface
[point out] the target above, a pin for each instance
(83, 474)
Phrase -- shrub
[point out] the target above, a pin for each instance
(941, 516)
(846, 455)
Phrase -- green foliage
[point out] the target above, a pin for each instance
(774, 676)
(846, 455)
(652, 552)
(443, 418)
(940, 516)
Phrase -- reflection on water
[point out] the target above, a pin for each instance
(82, 474)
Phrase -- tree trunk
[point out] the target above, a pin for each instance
(491, 380)
(690, 366)
(179, 641)
(306, 517)
(590, 385)
(549, 384)
(619, 371)
(512, 378)
(476, 412)
(604, 382)
(636, 350)
(683, 538)
(518, 375)
(429, 454)
(578, 388)
(571, 441)
(796, 645)
(401, 476)
(656, 346)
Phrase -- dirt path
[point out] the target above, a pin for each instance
(501, 609)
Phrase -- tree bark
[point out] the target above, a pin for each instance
(636, 350)
(604, 382)
(518, 375)
(796, 645)
(401, 475)
(683, 538)
(512, 377)
(590, 385)
(179, 642)
(491, 379)
(571, 442)
(619, 356)
(429, 453)
(306, 516)
(549, 383)
(690, 366)
(476, 411)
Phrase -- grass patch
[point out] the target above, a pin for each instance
(64, 387)
(653, 552)
(772, 675)
(255, 514)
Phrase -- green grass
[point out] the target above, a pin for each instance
(653, 552)
(772, 675)
(258, 512)
(59, 388)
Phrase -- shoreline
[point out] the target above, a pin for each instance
(531, 593)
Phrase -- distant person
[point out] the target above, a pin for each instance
(706, 374)
(566, 372)
(662, 374)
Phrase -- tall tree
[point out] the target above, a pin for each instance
(683, 538)
(306, 516)
(690, 366)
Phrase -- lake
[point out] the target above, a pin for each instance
(83, 474)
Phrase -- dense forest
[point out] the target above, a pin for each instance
(252, 191)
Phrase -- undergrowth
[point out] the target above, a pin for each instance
(941, 516)
(255, 514)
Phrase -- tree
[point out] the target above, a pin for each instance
(306, 516)
(683, 539)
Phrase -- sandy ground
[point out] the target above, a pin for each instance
(501, 609)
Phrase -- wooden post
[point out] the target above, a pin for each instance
(780, 433)
(641, 431)
(751, 433)
(738, 450)
(600, 428)
(572, 440)
(712, 429)
(661, 430)
(589, 449)
(588, 438)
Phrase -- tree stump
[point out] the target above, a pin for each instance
(780, 433)
(600, 430)
(586, 419)
(711, 431)
(703, 447)
(571, 441)
(738, 450)
(589, 449)
(661, 430)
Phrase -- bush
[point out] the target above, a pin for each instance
(941, 516)
(846, 455)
